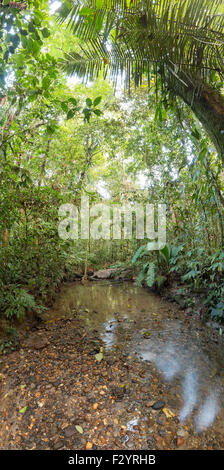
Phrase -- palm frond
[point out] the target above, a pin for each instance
(130, 36)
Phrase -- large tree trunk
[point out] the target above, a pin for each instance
(207, 104)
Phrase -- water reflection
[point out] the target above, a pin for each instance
(184, 357)
(190, 394)
(207, 413)
(109, 333)
(166, 360)
(140, 322)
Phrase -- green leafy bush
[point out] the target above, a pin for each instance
(155, 267)
(16, 302)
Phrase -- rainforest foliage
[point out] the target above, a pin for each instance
(156, 136)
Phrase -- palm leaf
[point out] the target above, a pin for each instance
(134, 37)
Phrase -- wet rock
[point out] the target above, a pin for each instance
(70, 430)
(130, 444)
(35, 342)
(76, 443)
(124, 275)
(151, 443)
(181, 433)
(104, 273)
(57, 382)
(158, 405)
(161, 420)
(58, 445)
(118, 392)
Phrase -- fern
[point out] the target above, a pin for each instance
(17, 301)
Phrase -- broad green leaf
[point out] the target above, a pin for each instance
(97, 100)
(97, 112)
(89, 102)
(64, 106)
(73, 101)
(45, 32)
(70, 114)
(166, 253)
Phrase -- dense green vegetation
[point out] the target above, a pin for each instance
(61, 137)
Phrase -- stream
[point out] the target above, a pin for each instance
(188, 355)
(114, 366)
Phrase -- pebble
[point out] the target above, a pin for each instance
(181, 433)
(58, 445)
(70, 430)
(158, 405)
(150, 443)
(89, 445)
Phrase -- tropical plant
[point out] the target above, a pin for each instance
(155, 270)
(180, 44)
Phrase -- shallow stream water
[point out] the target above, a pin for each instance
(188, 354)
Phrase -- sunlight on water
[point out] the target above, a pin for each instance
(108, 336)
(169, 363)
(181, 362)
(130, 424)
(190, 394)
(207, 413)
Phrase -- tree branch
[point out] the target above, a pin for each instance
(16, 5)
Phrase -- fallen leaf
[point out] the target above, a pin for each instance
(89, 445)
(180, 441)
(99, 356)
(79, 429)
(168, 413)
(23, 409)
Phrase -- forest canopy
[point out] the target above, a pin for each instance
(121, 101)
